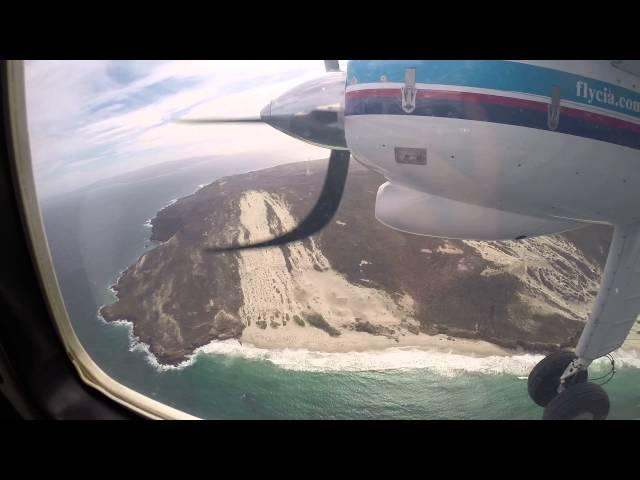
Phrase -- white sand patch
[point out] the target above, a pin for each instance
(314, 340)
(449, 249)
(555, 283)
(462, 266)
(272, 290)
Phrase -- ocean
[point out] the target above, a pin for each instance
(95, 233)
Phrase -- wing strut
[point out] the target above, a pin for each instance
(618, 302)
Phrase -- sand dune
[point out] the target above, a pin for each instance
(283, 287)
(550, 268)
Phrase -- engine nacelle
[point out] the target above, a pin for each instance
(419, 213)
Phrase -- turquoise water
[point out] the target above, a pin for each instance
(96, 233)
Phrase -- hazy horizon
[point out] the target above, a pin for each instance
(93, 120)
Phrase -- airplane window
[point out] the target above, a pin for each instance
(386, 240)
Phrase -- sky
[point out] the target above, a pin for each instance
(90, 120)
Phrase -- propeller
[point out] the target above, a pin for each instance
(221, 120)
(314, 113)
(323, 211)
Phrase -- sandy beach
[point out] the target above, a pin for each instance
(283, 289)
(293, 336)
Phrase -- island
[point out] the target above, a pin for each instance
(356, 286)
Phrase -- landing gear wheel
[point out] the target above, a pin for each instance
(544, 379)
(586, 401)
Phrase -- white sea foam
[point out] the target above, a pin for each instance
(136, 345)
(449, 364)
(444, 363)
(111, 289)
(148, 223)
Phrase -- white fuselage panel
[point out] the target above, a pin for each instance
(548, 139)
(507, 167)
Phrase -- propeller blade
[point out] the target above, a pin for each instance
(321, 214)
(332, 65)
(221, 120)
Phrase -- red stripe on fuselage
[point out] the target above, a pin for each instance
(473, 97)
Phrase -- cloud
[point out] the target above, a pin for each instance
(89, 120)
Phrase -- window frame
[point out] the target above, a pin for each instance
(29, 207)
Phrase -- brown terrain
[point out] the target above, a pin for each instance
(355, 282)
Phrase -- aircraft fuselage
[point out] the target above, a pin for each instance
(555, 141)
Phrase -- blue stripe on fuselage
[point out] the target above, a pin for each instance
(502, 75)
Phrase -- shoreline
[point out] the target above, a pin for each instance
(447, 362)
(314, 340)
(292, 337)
(439, 354)
(359, 351)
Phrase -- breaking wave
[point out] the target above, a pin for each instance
(443, 363)
(136, 345)
(406, 358)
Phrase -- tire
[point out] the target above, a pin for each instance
(544, 379)
(585, 401)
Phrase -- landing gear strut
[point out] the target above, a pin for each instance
(559, 384)
(544, 379)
